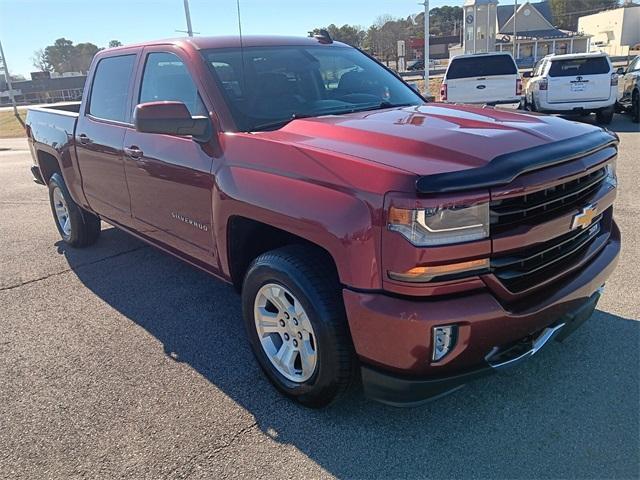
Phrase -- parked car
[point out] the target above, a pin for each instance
(423, 245)
(576, 83)
(419, 64)
(482, 78)
(629, 89)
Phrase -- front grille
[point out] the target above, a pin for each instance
(538, 265)
(550, 201)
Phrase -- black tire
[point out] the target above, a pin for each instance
(635, 107)
(308, 273)
(84, 226)
(605, 116)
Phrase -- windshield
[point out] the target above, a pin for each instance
(275, 84)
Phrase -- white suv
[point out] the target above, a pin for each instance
(482, 78)
(577, 83)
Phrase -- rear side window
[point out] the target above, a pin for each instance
(481, 66)
(579, 66)
(166, 78)
(110, 89)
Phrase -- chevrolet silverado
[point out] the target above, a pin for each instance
(372, 236)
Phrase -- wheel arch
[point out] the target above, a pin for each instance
(249, 238)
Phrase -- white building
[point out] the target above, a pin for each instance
(615, 32)
(490, 27)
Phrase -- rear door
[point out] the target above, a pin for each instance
(170, 177)
(482, 79)
(579, 80)
(99, 135)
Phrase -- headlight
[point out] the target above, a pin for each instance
(441, 225)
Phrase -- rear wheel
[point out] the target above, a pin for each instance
(77, 227)
(605, 116)
(296, 324)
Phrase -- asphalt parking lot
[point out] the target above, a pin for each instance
(120, 361)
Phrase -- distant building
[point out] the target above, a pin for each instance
(489, 27)
(43, 89)
(438, 46)
(615, 32)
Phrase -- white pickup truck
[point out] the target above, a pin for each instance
(482, 78)
(577, 83)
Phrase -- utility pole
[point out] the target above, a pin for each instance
(8, 77)
(515, 31)
(426, 47)
(188, 15)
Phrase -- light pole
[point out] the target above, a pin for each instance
(426, 47)
(188, 15)
(515, 30)
(8, 77)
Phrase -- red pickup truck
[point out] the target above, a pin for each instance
(372, 235)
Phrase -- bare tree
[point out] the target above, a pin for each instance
(39, 61)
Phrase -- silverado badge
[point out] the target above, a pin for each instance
(584, 218)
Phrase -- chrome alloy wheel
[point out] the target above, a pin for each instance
(285, 333)
(62, 211)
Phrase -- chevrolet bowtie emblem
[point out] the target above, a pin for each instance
(584, 218)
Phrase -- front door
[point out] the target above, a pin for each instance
(100, 135)
(169, 177)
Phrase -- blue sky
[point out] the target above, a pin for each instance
(27, 25)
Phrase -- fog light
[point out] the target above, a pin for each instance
(444, 339)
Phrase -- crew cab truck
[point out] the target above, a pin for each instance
(575, 83)
(372, 235)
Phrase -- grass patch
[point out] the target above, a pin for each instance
(10, 127)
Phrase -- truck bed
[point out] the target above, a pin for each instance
(53, 125)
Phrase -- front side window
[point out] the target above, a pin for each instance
(267, 85)
(166, 78)
(110, 89)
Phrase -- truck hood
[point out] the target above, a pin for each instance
(429, 139)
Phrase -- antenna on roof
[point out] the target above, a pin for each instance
(323, 36)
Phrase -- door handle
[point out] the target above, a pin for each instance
(84, 140)
(133, 151)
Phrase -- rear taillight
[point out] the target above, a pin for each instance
(614, 79)
(544, 85)
(518, 86)
(443, 92)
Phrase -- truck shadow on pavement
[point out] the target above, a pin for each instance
(571, 412)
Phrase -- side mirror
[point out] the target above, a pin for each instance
(527, 74)
(620, 71)
(171, 118)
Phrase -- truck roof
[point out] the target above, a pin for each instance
(233, 41)
(570, 56)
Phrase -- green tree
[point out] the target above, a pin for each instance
(350, 34)
(83, 54)
(63, 56)
(60, 55)
(567, 12)
(115, 43)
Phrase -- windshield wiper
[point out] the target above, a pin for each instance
(280, 123)
(381, 105)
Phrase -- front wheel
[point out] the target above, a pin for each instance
(297, 326)
(77, 227)
(635, 107)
